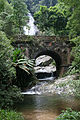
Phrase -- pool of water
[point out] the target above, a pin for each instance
(46, 107)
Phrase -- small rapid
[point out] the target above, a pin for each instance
(36, 90)
(45, 75)
(39, 88)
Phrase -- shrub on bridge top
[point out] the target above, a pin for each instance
(69, 114)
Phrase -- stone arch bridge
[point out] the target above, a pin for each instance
(57, 47)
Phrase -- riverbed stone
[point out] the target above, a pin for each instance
(60, 86)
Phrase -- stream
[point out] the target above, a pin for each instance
(46, 107)
(38, 106)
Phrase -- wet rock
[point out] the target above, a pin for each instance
(60, 86)
(43, 60)
(47, 69)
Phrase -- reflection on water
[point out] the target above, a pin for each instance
(39, 115)
(35, 107)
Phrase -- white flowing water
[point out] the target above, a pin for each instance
(33, 30)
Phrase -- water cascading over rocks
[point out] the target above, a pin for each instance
(32, 30)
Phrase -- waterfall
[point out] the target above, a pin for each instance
(33, 30)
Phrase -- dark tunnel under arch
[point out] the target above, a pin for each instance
(55, 56)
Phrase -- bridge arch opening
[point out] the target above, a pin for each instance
(55, 56)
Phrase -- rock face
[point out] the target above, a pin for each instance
(43, 60)
(47, 69)
(43, 67)
(59, 86)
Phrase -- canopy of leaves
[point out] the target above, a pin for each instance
(54, 18)
(34, 5)
(73, 21)
(20, 12)
(13, 16)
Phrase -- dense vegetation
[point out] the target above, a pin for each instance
(34, 5)
(52, 20)
(10, 115)
(69, 114)
(74, 32)
(13, 16)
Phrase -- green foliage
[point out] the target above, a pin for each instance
(25, 73)
(19, 60)
(10, 96)
(53, 18)
(73, 25)
(6, 21)
(76, 54)
(13, 17)
(41, 18)
(75, 68)
(10, 115)
(69, 114)
(17, 54)
(19, 14)
(76, 85)
(25, 64)
(73, 21)
(7, 72)
(53, 63)
(48, 3)
(34, 5)
(24, 68)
